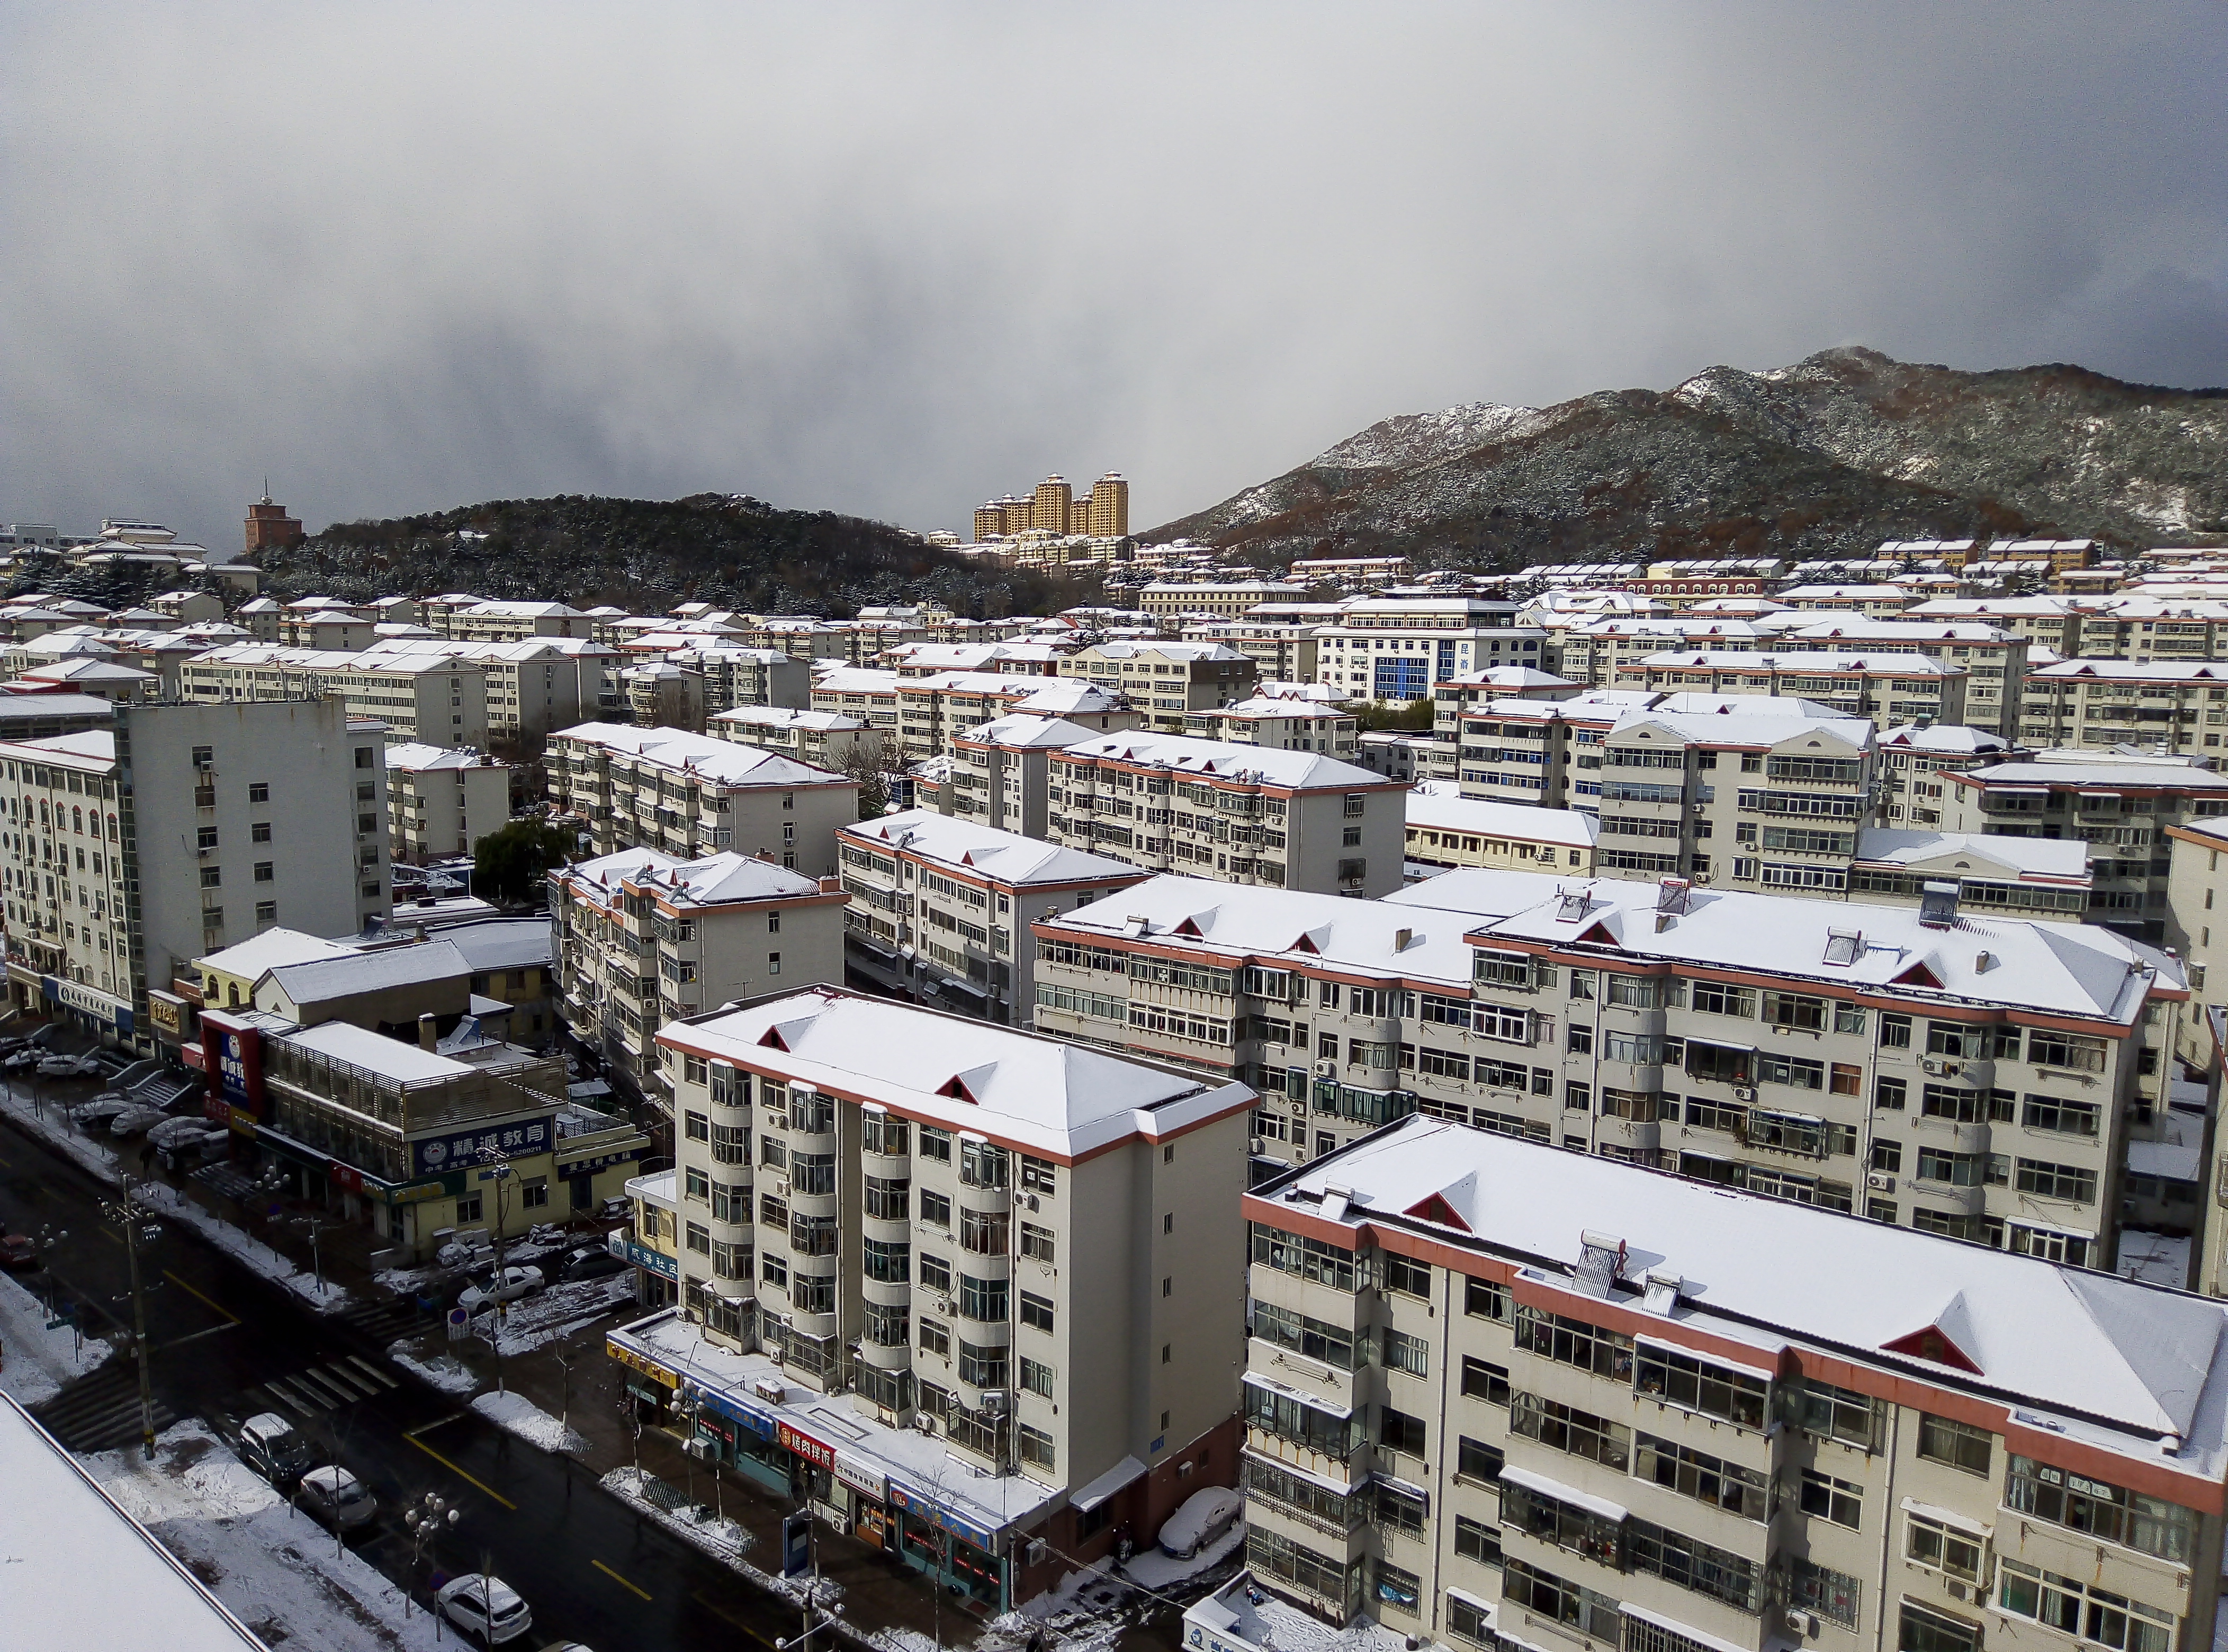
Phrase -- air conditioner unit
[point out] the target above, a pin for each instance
(925, 1423)
(1956, 1590)
(1879, 1181)
(1743, 1092)
(1327, 1069)
(944, 1306)
(993, 1403)
(1802, 1623)
(772, 1390)
(699, 1448)
(1258, 1145)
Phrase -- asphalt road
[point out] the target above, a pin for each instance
(226, 1341)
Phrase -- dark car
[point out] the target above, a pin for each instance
(589, 1262)
(19, 1253)
(269, 1445)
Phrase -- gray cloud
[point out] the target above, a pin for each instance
(889, 260)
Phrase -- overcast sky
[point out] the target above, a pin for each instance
(893, 261)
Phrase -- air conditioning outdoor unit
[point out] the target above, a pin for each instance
(1743, 1092)
(1327, 1069)
(1802, 1623)
(944, 1306)
(993, 1403)
(925, 1423)
(1258, 1145)
(1879, 1181)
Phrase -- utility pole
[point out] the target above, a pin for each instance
(126, 1211)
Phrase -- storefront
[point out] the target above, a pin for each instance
(649, 1385)
(101, 1012)
(934, 1539)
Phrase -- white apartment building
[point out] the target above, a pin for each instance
(133, 850)
(1995, 659)
(1293, 820)
(508, 621)
(1280, 652)
(643, 940)
(940, 907)
(827, 740)
(1885, 687)
(1167, 682)
(689, 795)
(1002, 771)
(1446, 829)
(957, 1286)
(920, 717)
(1971, 1074)
(1394, 649)
(441, 802)
(431, 700)
(1592, 651)
(1231, 599)
(1282, 724)
(735, 677)
(1914, 761)
(2176, 707)
(1497, 1396)
(2022, 877)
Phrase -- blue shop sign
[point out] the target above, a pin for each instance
(664, 1266)
(922, 1506)
(722, 1405)
(520, 1138)
(101, 1005)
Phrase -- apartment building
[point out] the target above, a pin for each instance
(827, 740)
(538, 685)
(1280, 653)
(1447, 829)
(660, 695)
(1166, 681)
(1914, 760)
(135, 850)
(1995, 660)
(1884, 687)
(737, 677)
(1281, 723)
(1496, 1395)
(2175, 707)
(920, 717)
(2022, 877)
(429, 700)
(2120, 805)
(1396, 756)
(1394, 649)
(2130, 625)
(509, 622)
(1015, 659)
(1293, 820)
(644, 938)
(324, 623)
(1592, 650)
(1873, 601)
(1052, 508)
(940, 907)
(1002, 771)
(2053, 623)
(688, 795)
(1166, 599)
(1456, 695)
(441, 802)
(884, 1317)
(2197, 889)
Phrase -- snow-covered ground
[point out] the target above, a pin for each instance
(517, 1414)
(1151, 1569)
(444, 1371)
(2155, 1258)
(278, 1570)
(36, 1362)
(723, 1540)
(558, 1312)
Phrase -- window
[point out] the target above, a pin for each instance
(1405, 1352)
(1398, 1432)
(1591, 1615)
(1705, 1478)
(2064, 1116)
(1314, 1339)
(1484, 1299)
(266, 911)
(697, 1185)
(1698, 1385)
(1036, 1446)
(697, 1127)
(1930, 1543)
(1290, 1417)
(935, 1338)
(1958, 1444)
(1828, 1498)
(258, 791)
(1837, 1414)
(1414, 1278)
(264, 871)
(2085, 1610)
(1481, 1381)
(1038, 1243)
(1835, 1596)
(700, 1237)
(1891, 1095)
(1038, 1175)
(1691, 1564)
(2147, 1525)
(259, 832)
(1474, 1540)
(1476, 1460)
(1564, 1428)
(935, 1209)
(1573, 1342)
(2056, 1181)
(1036, 1376)
(1036, 1312)
(1919, 1629)
(212, 877)
(935, 1274)
(935, 1143)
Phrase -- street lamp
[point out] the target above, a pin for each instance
(124, 1213)
(428, 1517)
(499, 1171)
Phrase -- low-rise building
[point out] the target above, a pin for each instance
(441, 802)
(508, 621)
(1287, 819)
(1499, 1395)
(2175, 707)
(1280, 652)
(687, 795)
(827, 740)
(1914, 760)
(1445, 829)
(1395, 755)
(1284, 725)
(1229, 600)
(1166, 681)
(1886, 687)
(964, 1288)
(645, 939)
(660, 695)
(940, 907)
(1394, 649)
(2196, 904)
(1001, 772)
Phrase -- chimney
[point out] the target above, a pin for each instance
(427, 1035)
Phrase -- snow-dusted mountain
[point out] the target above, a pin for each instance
(1829, 456)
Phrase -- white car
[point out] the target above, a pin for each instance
(95, 1114)
(67, 1067)
(1199, 1523)
(516, 1282)
(485, 1606)
(132, 1120)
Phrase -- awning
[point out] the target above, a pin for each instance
(1714, 1642)
(1753, 1366)
(1488, 1609)
(1106, 1485)
(2018, 791)
(2169, 1159)
(1314, 1402)
(1563, 1494)
(1949, 1517)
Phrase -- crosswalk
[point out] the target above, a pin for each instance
(318, 1389)
(386, 1321)
(100, 1411)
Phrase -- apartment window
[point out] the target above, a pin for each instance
(936, 1338)
(1933, 1544)
(205, 837)
(1958, 1444)
(935, 1209)
(935, 1143)
(1405, 1352)
(1919, 1629)
(700, 1239)
(1038, 1175)
(1835, 1596)
(773, 963)
(1398, 1432)
(1476, 1540)
(2147, 1525)
(1484, 1299)
(1354, 803)
(697, 1184)
(259, 832)
(1412, 1278)
(204, 757)
(697, 1127)
(1828, 1498)
(1482, 1380)
(1036, 1446)
(1705, 1478)
(212, 877)
(1476, 1460)
(258, 791)
(1036, 1312)
(266, 911)
(936, 1274)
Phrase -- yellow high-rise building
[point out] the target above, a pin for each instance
(1052, 508)
(1109, 508)
(1055, 501)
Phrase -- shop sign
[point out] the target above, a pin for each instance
(805, 1445)
(656, 1262)
(520, 1138)
(240, 1120)
(601, 1162)
(721, 1405)
(412, 1194)
(924, 1508)
(87, 1001)
(634, 1361)
(168, 1012)
(346, 1176)
(863, 1478)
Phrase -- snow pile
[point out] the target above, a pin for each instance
(1151, 1569)
(39, 1362)
(517, 1414)
(279, 1572)
(723, 1540)
(445, 1371)
(252, 1253)
(558, 1312)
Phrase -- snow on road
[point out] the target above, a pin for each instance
(36, 1362)
(518, 1415)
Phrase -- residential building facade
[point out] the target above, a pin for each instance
(441, 802)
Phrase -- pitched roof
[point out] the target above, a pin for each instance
(1003, 857)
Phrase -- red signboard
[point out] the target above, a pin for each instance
(805, 1446)
(348, 1176)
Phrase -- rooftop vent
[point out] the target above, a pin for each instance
(1938, 904)
(1601, 1256)
(1844, 946)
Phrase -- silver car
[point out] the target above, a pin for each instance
(337, 1497)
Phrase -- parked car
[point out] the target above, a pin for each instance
(337, 1497)
(70, 1066)
(589, 1262)
(516, 1282)
(134, 1121)
(178, 1128)
(269, 1445)
(18, 1060)
(485, 1606)
(184, 1151)
(19, 1253)
(1201, 1522)
(97, 1115)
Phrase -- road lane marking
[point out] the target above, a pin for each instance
(372, 1371)
(193, 1336)
(722, 1612)
(459, 1472)
(617, 1580)
(195, 1294)
(109, 1237)
(439, 1422)
(317, 1383)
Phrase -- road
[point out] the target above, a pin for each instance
(228, 1344)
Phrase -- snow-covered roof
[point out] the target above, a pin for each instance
(249, 959)
(2131, 774)
(1066, 697)
(2117, 1361)
(1002, 857)
(1027, 729)
(2054, 968)
(522, 611)
(1507, 678)
(2042, 858)
(1037, 1092)
(1808, 626)
(375, 1053)
(1439, 804)
(1955, 737)
(728, 763)
(2138, 670)
(321, 980)
(1262, 706)
(500, 943)
(93, 748)
(786, 717)
(1818, 664)
(1726, 727)
(860, 679)
(1260, 763)
(417, 757)
(1210, 652)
